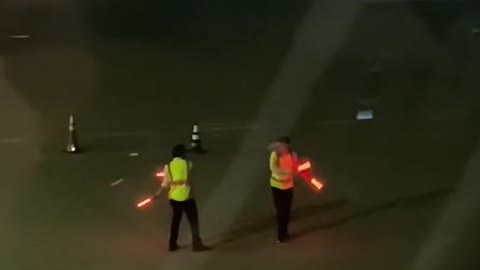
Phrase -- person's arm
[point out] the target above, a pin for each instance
(189, 174)
(165, 182)
(274, 165)
(296, 163)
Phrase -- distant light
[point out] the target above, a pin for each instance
(365, 115)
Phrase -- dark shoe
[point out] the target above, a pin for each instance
(173, 248)
(200, 248)
(283, 239)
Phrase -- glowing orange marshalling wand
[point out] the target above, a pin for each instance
(305, 167)
(144, 202)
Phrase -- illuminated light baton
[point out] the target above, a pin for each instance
(160, 173)
(304, 171)
(316, 183)
(305, 166)
(149, 200)
(144, 202)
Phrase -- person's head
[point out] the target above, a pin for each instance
(284, 144)
(179, 151)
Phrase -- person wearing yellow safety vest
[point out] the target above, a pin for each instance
(283, 167)
(180, 197)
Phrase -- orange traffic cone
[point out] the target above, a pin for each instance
(72, 146)
(196, 143)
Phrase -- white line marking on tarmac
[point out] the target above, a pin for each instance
(19, 36)
(117, 182)
(12, 140)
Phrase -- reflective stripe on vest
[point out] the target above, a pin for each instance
(276, 179)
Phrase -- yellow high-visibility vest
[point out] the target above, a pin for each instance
(180, 189)
(282, 168)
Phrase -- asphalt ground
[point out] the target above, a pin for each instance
(389, 181)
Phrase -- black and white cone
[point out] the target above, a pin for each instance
(196, 143)
(72, 144)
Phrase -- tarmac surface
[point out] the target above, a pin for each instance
(401, 189)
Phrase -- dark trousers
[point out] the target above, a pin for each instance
(283, 205)
(190, 208)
